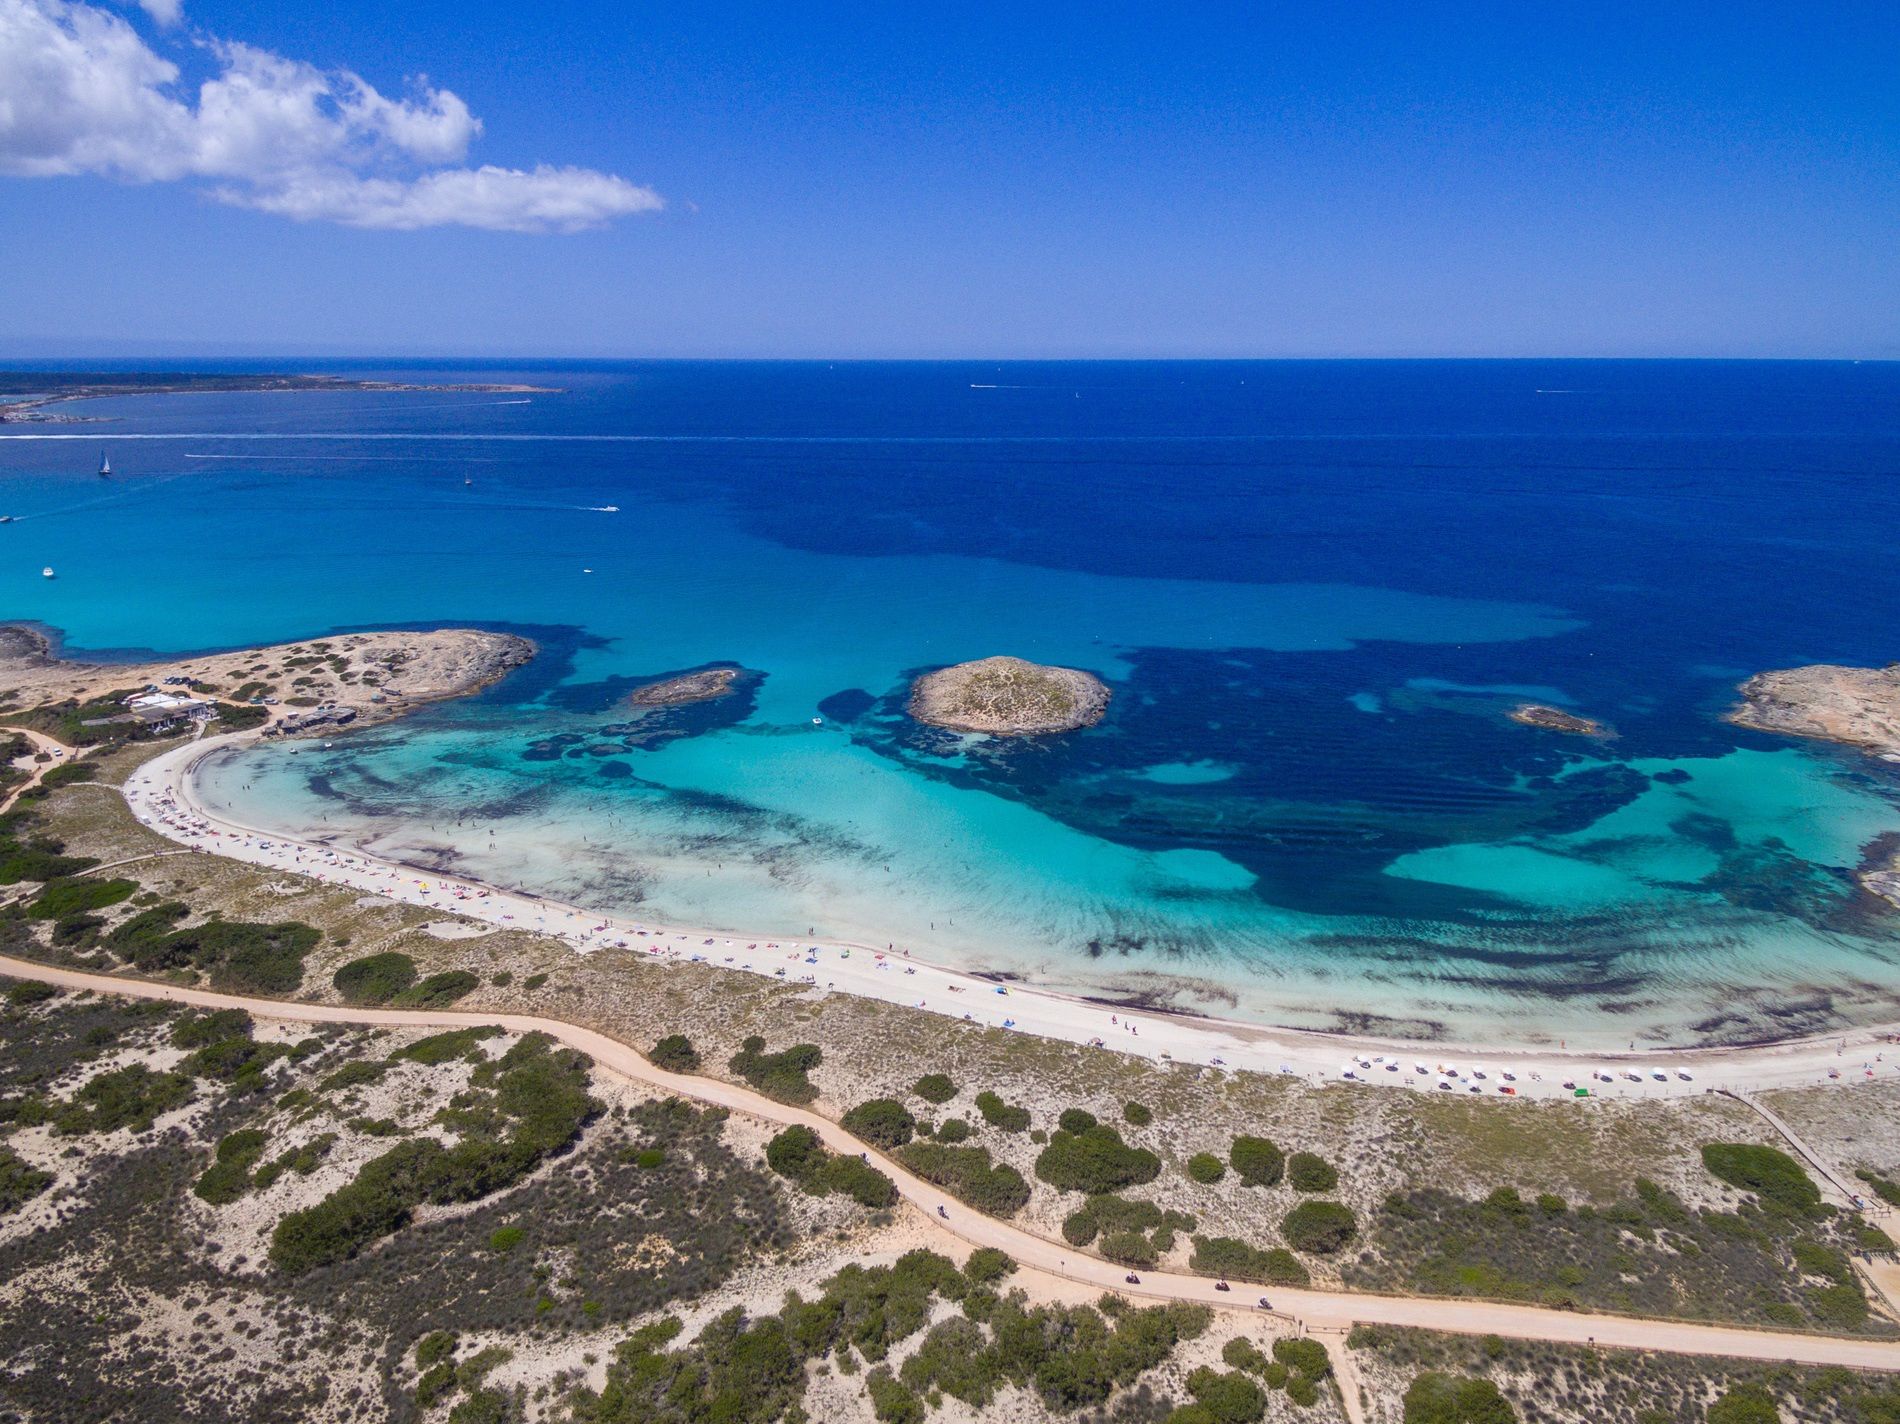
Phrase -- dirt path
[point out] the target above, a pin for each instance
(1315, 1310)
(60, 752)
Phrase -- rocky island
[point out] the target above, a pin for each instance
(1555, 719)
(1855, 706)
(705, 685)
(1008, 697)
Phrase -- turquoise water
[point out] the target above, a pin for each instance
(1315, 591)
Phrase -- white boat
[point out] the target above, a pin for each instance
(105, 468)
(47, 572)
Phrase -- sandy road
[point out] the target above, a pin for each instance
(1312, 1309)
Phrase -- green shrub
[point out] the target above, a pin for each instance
(1242, 1354)
(505, 1238)
(797, 1152)
(891, 1401)
(780, 1076)
(1258, 1161)
(1129, 1248)
(1305, 1354)
(1206, 1168)
(201, 1029)
(649, 1157)
(229, 1176)
(438, 991)
(1306, 1172)
(133, 1096)
(1302, 1391)
(953, 1131)
(352, 1075)
(967, 1174)
(1005, 1117)
(445, 1047)
(29, 991)
(675, 1054)
(987, 1266)
(1231, 1259)
(534, 981)
(1434, 1398)
(882, 1122)
(1094, 1161)
(19, 1182)
(1321, 1227)
(434, 1348)
(237, 957)
(375, 978)
(1227, 1397)
(66, 897)
(1075, 1120)
(1746, 1404)
(1776, 1179)
(935, 1088)
(858, 1180)
(1137, 1114)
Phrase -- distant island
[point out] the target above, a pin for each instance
(1555, 719)
(1008, 697)
(24, 395)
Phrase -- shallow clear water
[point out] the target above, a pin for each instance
(1316, 589)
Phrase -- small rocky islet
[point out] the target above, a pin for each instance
(705, 685)
(1555, 719)
(1008, 697)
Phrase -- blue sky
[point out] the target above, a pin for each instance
(894, 180)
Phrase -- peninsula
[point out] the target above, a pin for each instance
(373, 677)
(1008, 697)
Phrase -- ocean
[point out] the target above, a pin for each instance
(1316, 589)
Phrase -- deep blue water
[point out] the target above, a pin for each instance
(1316, 588)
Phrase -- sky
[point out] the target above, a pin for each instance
(605, 178)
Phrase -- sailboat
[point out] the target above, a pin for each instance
(105, 467)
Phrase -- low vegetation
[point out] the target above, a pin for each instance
(781, 1076)
(530, 1102)
(797, 1154)
(750, 1370)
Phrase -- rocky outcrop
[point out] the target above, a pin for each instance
(1008, 697)
(1555, 719)
(702, 686)
(1856, 706)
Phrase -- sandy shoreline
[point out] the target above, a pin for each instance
(161, 796)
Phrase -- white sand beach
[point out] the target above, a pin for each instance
(161, 796)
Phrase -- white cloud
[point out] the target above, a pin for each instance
(166, 12)
(82, 93)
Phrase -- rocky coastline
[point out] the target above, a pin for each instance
(1852, 706)
(375, 677)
